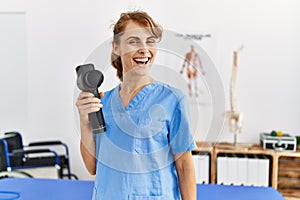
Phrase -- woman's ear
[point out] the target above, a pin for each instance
(116, 49)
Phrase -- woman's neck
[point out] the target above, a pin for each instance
(131, 85)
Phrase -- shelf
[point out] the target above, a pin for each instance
(289, 174)
(284, 165)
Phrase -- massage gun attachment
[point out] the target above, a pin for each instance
(88, 80)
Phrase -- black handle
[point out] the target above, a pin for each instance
(97, 122)
(96, 118)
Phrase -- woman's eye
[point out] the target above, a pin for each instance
(151, 42)
(133, 42)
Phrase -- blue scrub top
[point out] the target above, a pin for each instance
(135, 156)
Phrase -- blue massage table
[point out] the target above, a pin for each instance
(58, 189)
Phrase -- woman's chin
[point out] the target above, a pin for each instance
(143, 70)
(139, 70)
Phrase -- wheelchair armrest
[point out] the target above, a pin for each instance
(21, 151)
(44, 143)
(35, 151)
(49, 143)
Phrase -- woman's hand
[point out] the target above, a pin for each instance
(87, 103)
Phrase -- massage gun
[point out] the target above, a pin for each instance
(88, 80)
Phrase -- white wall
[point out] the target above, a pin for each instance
(62, 34)
(13, 70)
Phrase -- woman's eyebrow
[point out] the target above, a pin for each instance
(138, 38)
(151, 37)
(132, 37)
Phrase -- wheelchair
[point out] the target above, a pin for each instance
(5, 169)
(37, 154)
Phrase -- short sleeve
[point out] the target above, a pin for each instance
(181, 137)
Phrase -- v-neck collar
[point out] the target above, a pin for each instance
(135, 102)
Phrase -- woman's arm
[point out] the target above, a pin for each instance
(87, 103)
(186, 175)
(87, 149)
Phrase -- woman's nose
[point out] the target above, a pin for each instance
(143, 50)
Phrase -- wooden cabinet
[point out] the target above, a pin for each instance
(284, 165)
(288, 174)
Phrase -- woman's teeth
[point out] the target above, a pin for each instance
(141, 60)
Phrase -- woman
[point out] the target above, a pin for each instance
(145, 151)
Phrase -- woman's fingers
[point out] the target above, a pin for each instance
(84, 95)
(89, 106)
(89, 100)
(87, 103)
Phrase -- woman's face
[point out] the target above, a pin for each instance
(137, 48)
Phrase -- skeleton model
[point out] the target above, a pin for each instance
(234, 116)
